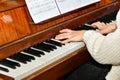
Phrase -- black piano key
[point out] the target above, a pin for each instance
(4, 69)
(9, 63)
(40, 48)
(50, 45)
(26, 57)
(18, 59)
(44, 47)
(106, 18)
(33, 52)
(40, 52)
(22, 57)
(13, 63)
(84, 27)
(47, 46)
(54, 43)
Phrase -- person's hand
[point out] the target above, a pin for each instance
(70, 35)
(104, 28)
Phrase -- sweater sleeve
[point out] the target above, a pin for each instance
(104, 49)
(114, 73)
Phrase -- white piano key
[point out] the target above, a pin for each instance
(44, 60)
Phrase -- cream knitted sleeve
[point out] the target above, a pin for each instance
(114, 73)
(104, 49)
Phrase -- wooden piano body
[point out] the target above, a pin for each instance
(19, 32)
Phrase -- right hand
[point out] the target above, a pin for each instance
(104, 28)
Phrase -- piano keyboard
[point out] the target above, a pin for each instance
(28, 61)
(108, 18)
(36, 57)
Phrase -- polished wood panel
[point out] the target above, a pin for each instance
(3, 77)
(6, 5)
(13, 25)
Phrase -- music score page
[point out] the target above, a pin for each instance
(41, 10)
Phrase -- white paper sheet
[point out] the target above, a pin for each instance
(41, 10)
(69, 5)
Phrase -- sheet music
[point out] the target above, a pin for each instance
(69, 5)
(41, 10)
(88, 2)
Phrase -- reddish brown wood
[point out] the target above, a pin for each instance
(3, 77)
(13, 25)
(2, 1)
(6, 5)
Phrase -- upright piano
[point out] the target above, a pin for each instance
(29, 51)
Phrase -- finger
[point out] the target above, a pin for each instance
(99, 25)
(63, 36)
(65, 31)
(95, 25)
(105, 31)
(66, 41)
(103, 24)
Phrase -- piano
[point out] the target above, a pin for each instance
(29, 51)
